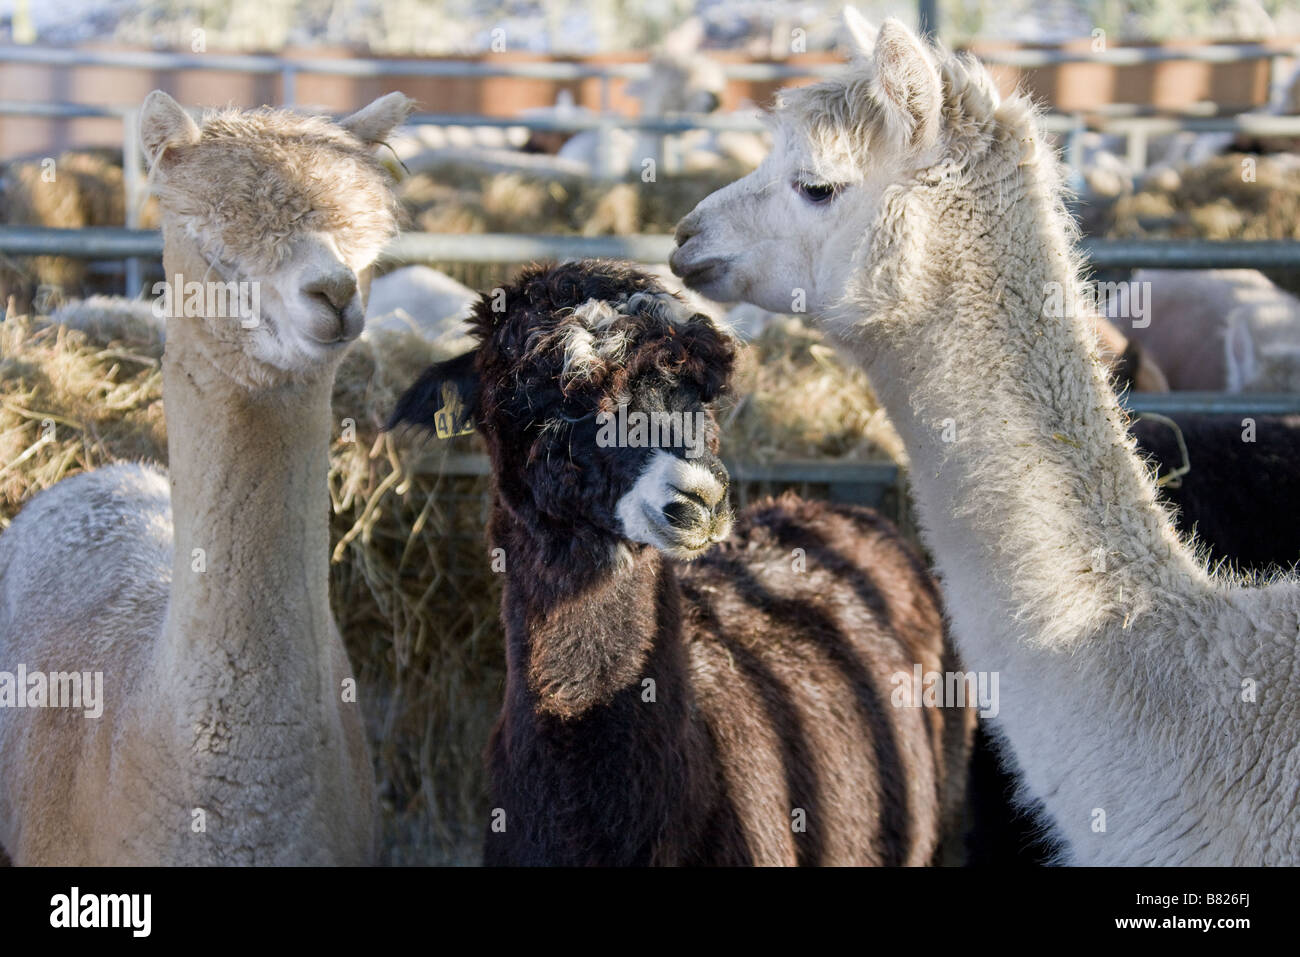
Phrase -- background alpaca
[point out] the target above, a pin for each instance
(420, 300)
(105, 316)
(681, 79)
(1131, 366)
(413, 299)
(1271, 365)
(1227, 330)
(225, 736)
(917, 211)
(768, 684)
(1238, 498)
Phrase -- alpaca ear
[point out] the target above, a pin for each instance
(372, 124)
(164, 125)
(1239, 353)
(907, 86)
(444, 400)
(861, 33)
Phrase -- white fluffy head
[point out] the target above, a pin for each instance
(785, 237)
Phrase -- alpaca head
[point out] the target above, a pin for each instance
(279, 210)
(593, 388)
(681, 79)
(785, 237)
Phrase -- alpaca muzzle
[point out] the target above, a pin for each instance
(696, 523)
(677, 505)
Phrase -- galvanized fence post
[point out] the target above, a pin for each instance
(132, 182)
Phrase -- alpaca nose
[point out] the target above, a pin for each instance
(701, 505)
(687, 228)
(334, 289)
(689, 511)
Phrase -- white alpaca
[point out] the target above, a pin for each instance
(424, 301)
(419, 147)
(1150, 705)
(1259, 366)
(1105, 173)
(1221, 330)
(680, 80)
(228, 733)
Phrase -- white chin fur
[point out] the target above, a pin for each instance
(640, 511)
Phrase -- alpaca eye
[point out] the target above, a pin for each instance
(573, 418)
(816, 193)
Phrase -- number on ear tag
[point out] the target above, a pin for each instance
(451, 420)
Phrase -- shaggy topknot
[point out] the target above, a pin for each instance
(263, 176)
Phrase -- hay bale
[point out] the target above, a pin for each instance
(797, 398)
(87, 188)
(1214, 200)
(69, 403)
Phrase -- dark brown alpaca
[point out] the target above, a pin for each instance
(736, 710)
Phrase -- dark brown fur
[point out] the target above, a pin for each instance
(736, 710)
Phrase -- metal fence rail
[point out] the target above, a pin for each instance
(106, 242)
(1137, 56)
(1212, 403)
(117, 243)
(95, 242)
(560, 70)
(289, 68)
(1192, 253)
(816, 471)
(1137, 130)
(134, 245)
(882, 483)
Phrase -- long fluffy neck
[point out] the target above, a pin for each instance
(250, 511)
(595, 759)
(581, 635)
(1060, 570)
(1036, 508)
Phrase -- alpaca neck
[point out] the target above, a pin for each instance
(1019, 459)
(250, 515)
(595, 758)
(583, 635)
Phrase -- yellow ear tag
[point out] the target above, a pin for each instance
(452, 411)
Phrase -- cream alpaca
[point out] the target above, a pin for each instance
(226, 737)
(1150, 705)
